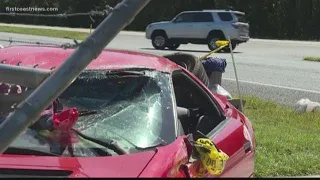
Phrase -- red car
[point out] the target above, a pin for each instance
(129, 114)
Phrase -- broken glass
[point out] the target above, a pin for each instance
(132, 107)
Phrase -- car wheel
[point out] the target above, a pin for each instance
(227, 49)
(173, 46)
(191, 63)
(159, 41)
(212, 43)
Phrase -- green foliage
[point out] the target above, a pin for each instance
(287, 142)
(285, 19)
(45, 32)
(311, 58)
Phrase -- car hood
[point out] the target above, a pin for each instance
(112, 166)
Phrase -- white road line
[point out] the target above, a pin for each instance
(276, 86)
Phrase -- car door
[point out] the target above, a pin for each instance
(231, 137)
(181, 26)
(230, 134)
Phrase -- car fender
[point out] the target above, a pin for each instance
(151, 28)
(168, 160)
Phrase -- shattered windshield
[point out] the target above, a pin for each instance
(133, 108)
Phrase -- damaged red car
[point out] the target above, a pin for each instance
(128, 114)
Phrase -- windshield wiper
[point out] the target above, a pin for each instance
(86, 113)
(27, 151)
(125, 73)
(110, 144)
(83, 112)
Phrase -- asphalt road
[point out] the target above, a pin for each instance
(270, 69)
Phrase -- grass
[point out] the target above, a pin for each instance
(310, 58)
(288, 144)
(45, 32)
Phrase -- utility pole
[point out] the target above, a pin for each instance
(29, 110)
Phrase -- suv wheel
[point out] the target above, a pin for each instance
(227, 49)
(173, 46)
(212, 43)
(159, 41)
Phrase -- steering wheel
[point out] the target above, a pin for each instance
(189, 118)
(189, 112)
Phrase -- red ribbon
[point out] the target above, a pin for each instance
(63, 122)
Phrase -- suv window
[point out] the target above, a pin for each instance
(225, 16)
(203, 17)
(185, 17)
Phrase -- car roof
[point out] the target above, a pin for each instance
(221, 10)
(215, 10)
(46, 57)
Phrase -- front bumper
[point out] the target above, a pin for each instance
(148, 32)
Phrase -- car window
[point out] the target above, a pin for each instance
(190, 94)
(203, 17)
(134, 110)
(225, 16)
(184, 17)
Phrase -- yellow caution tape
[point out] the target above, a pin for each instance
(220, 44)
(213, 159)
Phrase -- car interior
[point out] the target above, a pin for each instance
(196, 109)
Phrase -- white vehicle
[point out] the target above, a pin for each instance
(199, 27)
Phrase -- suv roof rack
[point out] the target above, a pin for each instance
(217, 10)
(224, 10)
(214, 10)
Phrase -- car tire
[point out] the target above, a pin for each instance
(212, 39)
(191, 63)
(227, 49)
(159, 40)
(173, 46)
